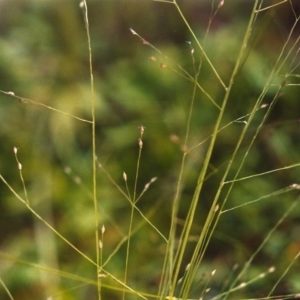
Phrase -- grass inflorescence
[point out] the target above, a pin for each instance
(168, 173)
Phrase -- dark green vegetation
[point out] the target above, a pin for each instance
(218, 128)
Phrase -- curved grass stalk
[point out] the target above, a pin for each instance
(28, 101)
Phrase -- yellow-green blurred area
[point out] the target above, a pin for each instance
(145, 79)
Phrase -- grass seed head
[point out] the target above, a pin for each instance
(140, 143)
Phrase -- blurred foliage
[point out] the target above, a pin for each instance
(44, 57)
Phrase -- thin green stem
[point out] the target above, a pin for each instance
(276, 193)
(196, 259)
(133, 203)
(169, 256)
(94, 156)
(264, 173)
(21, 175)
(134, 230)
(126, 184)
(140, 142)
(28, 101)
(6, 289)
(130, 200)
(267, 237)
(128, 247)
(45, 222)
(199, 45)
(69, 243)
(183, 72)
(284, 273)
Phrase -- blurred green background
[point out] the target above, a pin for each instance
(44, 57)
